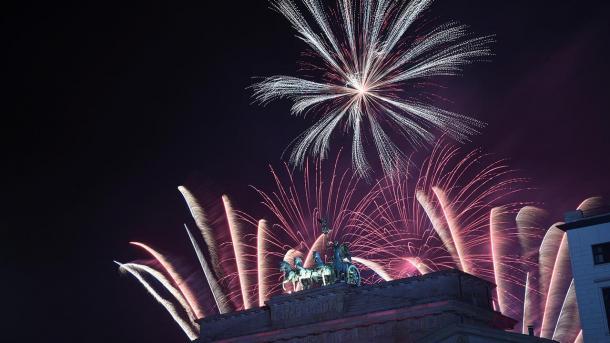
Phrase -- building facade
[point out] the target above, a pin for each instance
(589, 245)
(446, 306)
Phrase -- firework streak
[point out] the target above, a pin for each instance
(449, 210)
(369, 61)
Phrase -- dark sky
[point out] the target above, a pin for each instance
(112, 106)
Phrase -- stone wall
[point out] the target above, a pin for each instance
(403, 310)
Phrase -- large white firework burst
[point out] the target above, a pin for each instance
(367, 60)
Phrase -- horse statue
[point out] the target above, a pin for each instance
(340, 270)
(290, 275)
(305, 275)
(322, 270)
(342, 263)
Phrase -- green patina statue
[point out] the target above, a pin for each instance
(321, 274)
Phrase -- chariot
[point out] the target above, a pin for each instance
(340, 270)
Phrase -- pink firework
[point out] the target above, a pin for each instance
(457, 211)
(452, 210)
(297, 207)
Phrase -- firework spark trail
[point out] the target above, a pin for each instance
(568, 323)
(190, 329)
(529, 224)
(453, 229)
(547, 256)
(421, 267)
(509, 269)
(262, 261)
(220, 299)
(527, 305)
(177, 279)
(239, 254)
(461, 202)
(297, 209)
(291, 255)
(400, 230)
(141, 268)
(391, 235)
(366, 66)
(201, 221)
(497, 251)
(376, 267)
(318, 245)
(558, 287)
(439, 226)
(591, 204)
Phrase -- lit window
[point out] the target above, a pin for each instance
(601, 253)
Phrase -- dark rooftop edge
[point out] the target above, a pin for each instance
(584, 222)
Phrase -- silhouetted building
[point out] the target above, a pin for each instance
(445, 306)
(589, 244)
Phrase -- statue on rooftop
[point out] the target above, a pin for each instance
(290, 275)
(324, 271)
(321, 274)
(345, 270)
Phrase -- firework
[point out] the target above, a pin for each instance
(297, 209)
(450, 210)
(190, 328)
(368, 61)
(455, 211)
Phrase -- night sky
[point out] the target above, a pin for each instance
(112, 106)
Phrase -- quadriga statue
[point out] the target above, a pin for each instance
(340, 270)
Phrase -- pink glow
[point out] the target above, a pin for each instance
(201, 220)
(439, 226)
(568, 323)
(591, 203)
(548, 255)
(238, 250)
(376, 267)
(453, 228)
(530, 227)
(558, 286)
(217, 292)
(495, 232)
(419, 265)
(261, 257)
(189, 328)
(431, 216)
(176, 278)
(320, 246)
